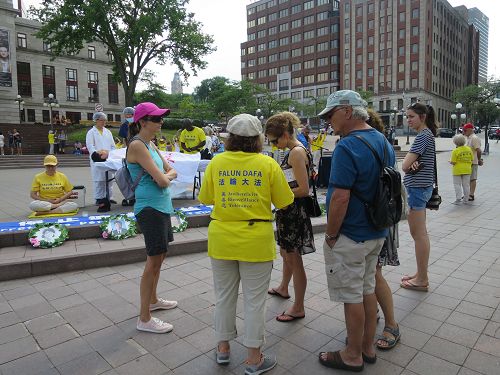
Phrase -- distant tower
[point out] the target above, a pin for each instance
(176, 84)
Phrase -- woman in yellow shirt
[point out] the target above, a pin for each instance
(50, 190)
(242, 184)
(461, 159)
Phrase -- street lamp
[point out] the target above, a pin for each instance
(458, 116)
(405, 120)
(51, 102)
(20, 102)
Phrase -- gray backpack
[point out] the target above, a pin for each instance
(123, 177)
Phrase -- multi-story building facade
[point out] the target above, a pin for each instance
(176, 84)
(404, 51)
(78, 82)
(292, 47)
(481, 22)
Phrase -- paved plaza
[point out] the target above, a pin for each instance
(84, 322)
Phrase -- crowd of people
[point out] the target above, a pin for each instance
(243, 185)
(14, 142)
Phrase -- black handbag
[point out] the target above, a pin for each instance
(435, 199)
(311, 203)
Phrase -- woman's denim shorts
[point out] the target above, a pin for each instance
(418, 197)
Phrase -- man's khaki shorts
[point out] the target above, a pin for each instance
(350, 268)
(473, 175)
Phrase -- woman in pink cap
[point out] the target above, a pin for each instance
(152, 208)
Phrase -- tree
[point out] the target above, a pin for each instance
(477, 100)
(136, 32)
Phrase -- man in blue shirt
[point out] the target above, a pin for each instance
(303, 137)
(128, 113)
(352, 245)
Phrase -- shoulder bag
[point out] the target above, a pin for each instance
(435, 200)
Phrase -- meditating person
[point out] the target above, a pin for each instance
(51, 190)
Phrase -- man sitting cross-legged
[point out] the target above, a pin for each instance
(51, 190)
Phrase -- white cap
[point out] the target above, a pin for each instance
(244, 125)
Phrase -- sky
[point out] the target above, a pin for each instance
(225, 20)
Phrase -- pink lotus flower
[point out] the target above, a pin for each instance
(105, 234)
(34, 242)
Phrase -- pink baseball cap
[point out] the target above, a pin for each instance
(149, 109)
(468, 126)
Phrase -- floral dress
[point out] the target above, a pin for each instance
(292, 223)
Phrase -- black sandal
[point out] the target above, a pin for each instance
(391, 342)
(334, 360)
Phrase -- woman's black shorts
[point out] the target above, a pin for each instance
(157, 230)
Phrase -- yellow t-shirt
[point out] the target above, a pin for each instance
(162, 146)
(51, 139)
(51, 187)
(462, 157)
(242, 186)
(317, 143)
(192, 138)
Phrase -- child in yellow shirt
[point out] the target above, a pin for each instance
(461, 159)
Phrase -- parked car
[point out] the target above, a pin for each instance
(493, 133)
(445, 132)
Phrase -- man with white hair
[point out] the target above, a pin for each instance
(352, 245)
(100, 142)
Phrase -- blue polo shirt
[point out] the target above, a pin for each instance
(354, 167)
(123, 132)
(302, 139)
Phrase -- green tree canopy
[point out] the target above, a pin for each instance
(478, 101)
(135, 32)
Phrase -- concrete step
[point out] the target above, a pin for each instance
(24, 261)
(36, 161)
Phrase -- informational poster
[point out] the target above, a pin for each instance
(5, 65)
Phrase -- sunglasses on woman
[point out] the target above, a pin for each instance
(155, 119)
(275, 140)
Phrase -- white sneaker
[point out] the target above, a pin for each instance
(163, 304)
(154, 325)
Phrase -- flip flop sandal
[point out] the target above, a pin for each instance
(410, 286)
(334, 360)
(273, 292)
(406, 278)
(391, 342)
(291, 317)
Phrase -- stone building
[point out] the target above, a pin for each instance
(78, 82)
(176, 84)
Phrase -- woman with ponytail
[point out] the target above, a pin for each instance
(152, 209)
(418, 166)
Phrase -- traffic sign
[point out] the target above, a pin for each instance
(99, 107)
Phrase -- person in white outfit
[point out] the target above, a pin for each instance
(100, 142)
(2, 143)
(51, 190)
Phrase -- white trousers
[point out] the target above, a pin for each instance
(316, 159)
(462, 186)
(255, 278)
(100, 189)
(42, 206)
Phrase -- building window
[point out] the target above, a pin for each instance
(322, 47)
(251, 24)
(48, 80)
(359, 27)
(309, 35)
(71, 84)
(371, 24)
(272, 85)
(22, 42)
(262, 60)
(296, 38)
(334, 75)
(46, 115)
(272, 17)
(401, 84)
(401, 67)
(272, 30)
(261, 47)
(414, 82)
(322, 61)
(309, 79)
(273, 57)
(262, 73)
(370, 56)
(93, 85)
(273, 71)
(359, 59)
(370, 72)
(359, 43)
(308, 20)
(322, 16)
(370, 40)
(296, 95)
(272, 44)
(284, 69)
(322, 31)
(31, 115)
(296, 8)
(414, 31)
(402, 17)
(296, 52)
(308, 94)
(402, 33)
(322, 77)
(251, 37)
(284, 55)
(346, 23)
(261, 33)
(296, 23)
(23, 78)
(47, 47)
(251, 62)
(296, 81)
(323, 2)
(284, 41)
(309, 5)
(296, 67)
(284, 13)
(308, 49)
(370, 8)
(414, 65)
(309, 64)
(91, 52)
(261, 20)
(283, 84)
(415, 13)
(112, 90)
(414, 48)
(401, 51)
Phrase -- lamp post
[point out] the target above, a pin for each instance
(51, 102)
(458, 116)
(20, 102)
(405, 120)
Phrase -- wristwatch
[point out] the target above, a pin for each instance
(332, 237)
